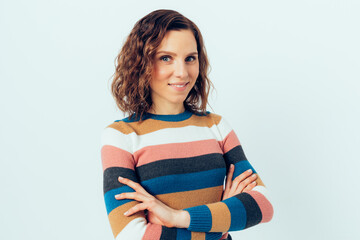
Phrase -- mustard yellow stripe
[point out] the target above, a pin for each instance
(118, 220)
(197, 236)
(221, 217)
(259, 182)
(181, 200)
(151, 125)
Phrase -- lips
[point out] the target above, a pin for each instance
(179, 84)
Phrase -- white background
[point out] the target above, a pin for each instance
(287, 79)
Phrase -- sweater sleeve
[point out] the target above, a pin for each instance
(117, 160)
(240, 211)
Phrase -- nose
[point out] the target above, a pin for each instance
(180, 70)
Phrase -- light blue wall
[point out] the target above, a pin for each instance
(287, 80)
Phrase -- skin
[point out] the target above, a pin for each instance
(179, 64)
(176, 61)
(159, 213)
(243, 183)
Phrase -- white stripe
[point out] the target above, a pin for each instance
(224, 127)
(176, 135)
(264, 191)
(113, 137)
(134, 230)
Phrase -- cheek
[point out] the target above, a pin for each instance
(161, 72)
(194, 71)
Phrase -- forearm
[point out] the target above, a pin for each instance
(179, 231)
(182, 219)
(233, 214)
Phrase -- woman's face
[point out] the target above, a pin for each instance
(176, 68)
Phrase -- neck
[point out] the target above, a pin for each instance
(167, 110)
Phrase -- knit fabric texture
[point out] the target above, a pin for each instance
(182, 160)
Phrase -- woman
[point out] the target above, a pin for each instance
(165, 164)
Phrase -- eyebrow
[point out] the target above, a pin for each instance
(172, 53)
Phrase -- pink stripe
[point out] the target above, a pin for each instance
(115, 157)
(176, 150)
(153, 231)
(264, 204)
(229, 142)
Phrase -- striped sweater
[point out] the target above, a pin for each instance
(182, 160)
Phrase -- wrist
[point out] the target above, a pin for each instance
(182, 219)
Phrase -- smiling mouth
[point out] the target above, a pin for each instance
(179, 85)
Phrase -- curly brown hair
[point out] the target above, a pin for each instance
(131, 81)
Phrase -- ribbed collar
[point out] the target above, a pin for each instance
(163, 117)
(170, 117)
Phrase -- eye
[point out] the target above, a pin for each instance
(165, 58)
(191, 59)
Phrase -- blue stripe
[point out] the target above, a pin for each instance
(183, 234)
(111, 203)
(185, 182)
(238, 213)
(213, 235)
(200, 218)
(163, 117)
(241, 167)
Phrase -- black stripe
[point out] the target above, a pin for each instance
(235, 155)
(253, 211)
(180, 166)
(168, 233)
(111, 177)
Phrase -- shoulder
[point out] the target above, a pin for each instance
(117, 134)
(125, 125)
(222, 125)
(217, 119)
(216, 122)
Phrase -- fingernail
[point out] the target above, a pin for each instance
(125, 213)
(249, 170)
(254, 175)
(231, 165)
(120, 178)
(117, 196)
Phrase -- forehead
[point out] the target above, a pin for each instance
(178, 41)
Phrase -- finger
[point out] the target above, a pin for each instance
(228, 182)
(243, 184)
(242, 177)
(135, 209)
(134, 185)
(131, 195)
(249, 187)
(238, 187)
(229, 177)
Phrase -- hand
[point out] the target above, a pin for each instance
(158, 212)
(242, 183)
(151, 218)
